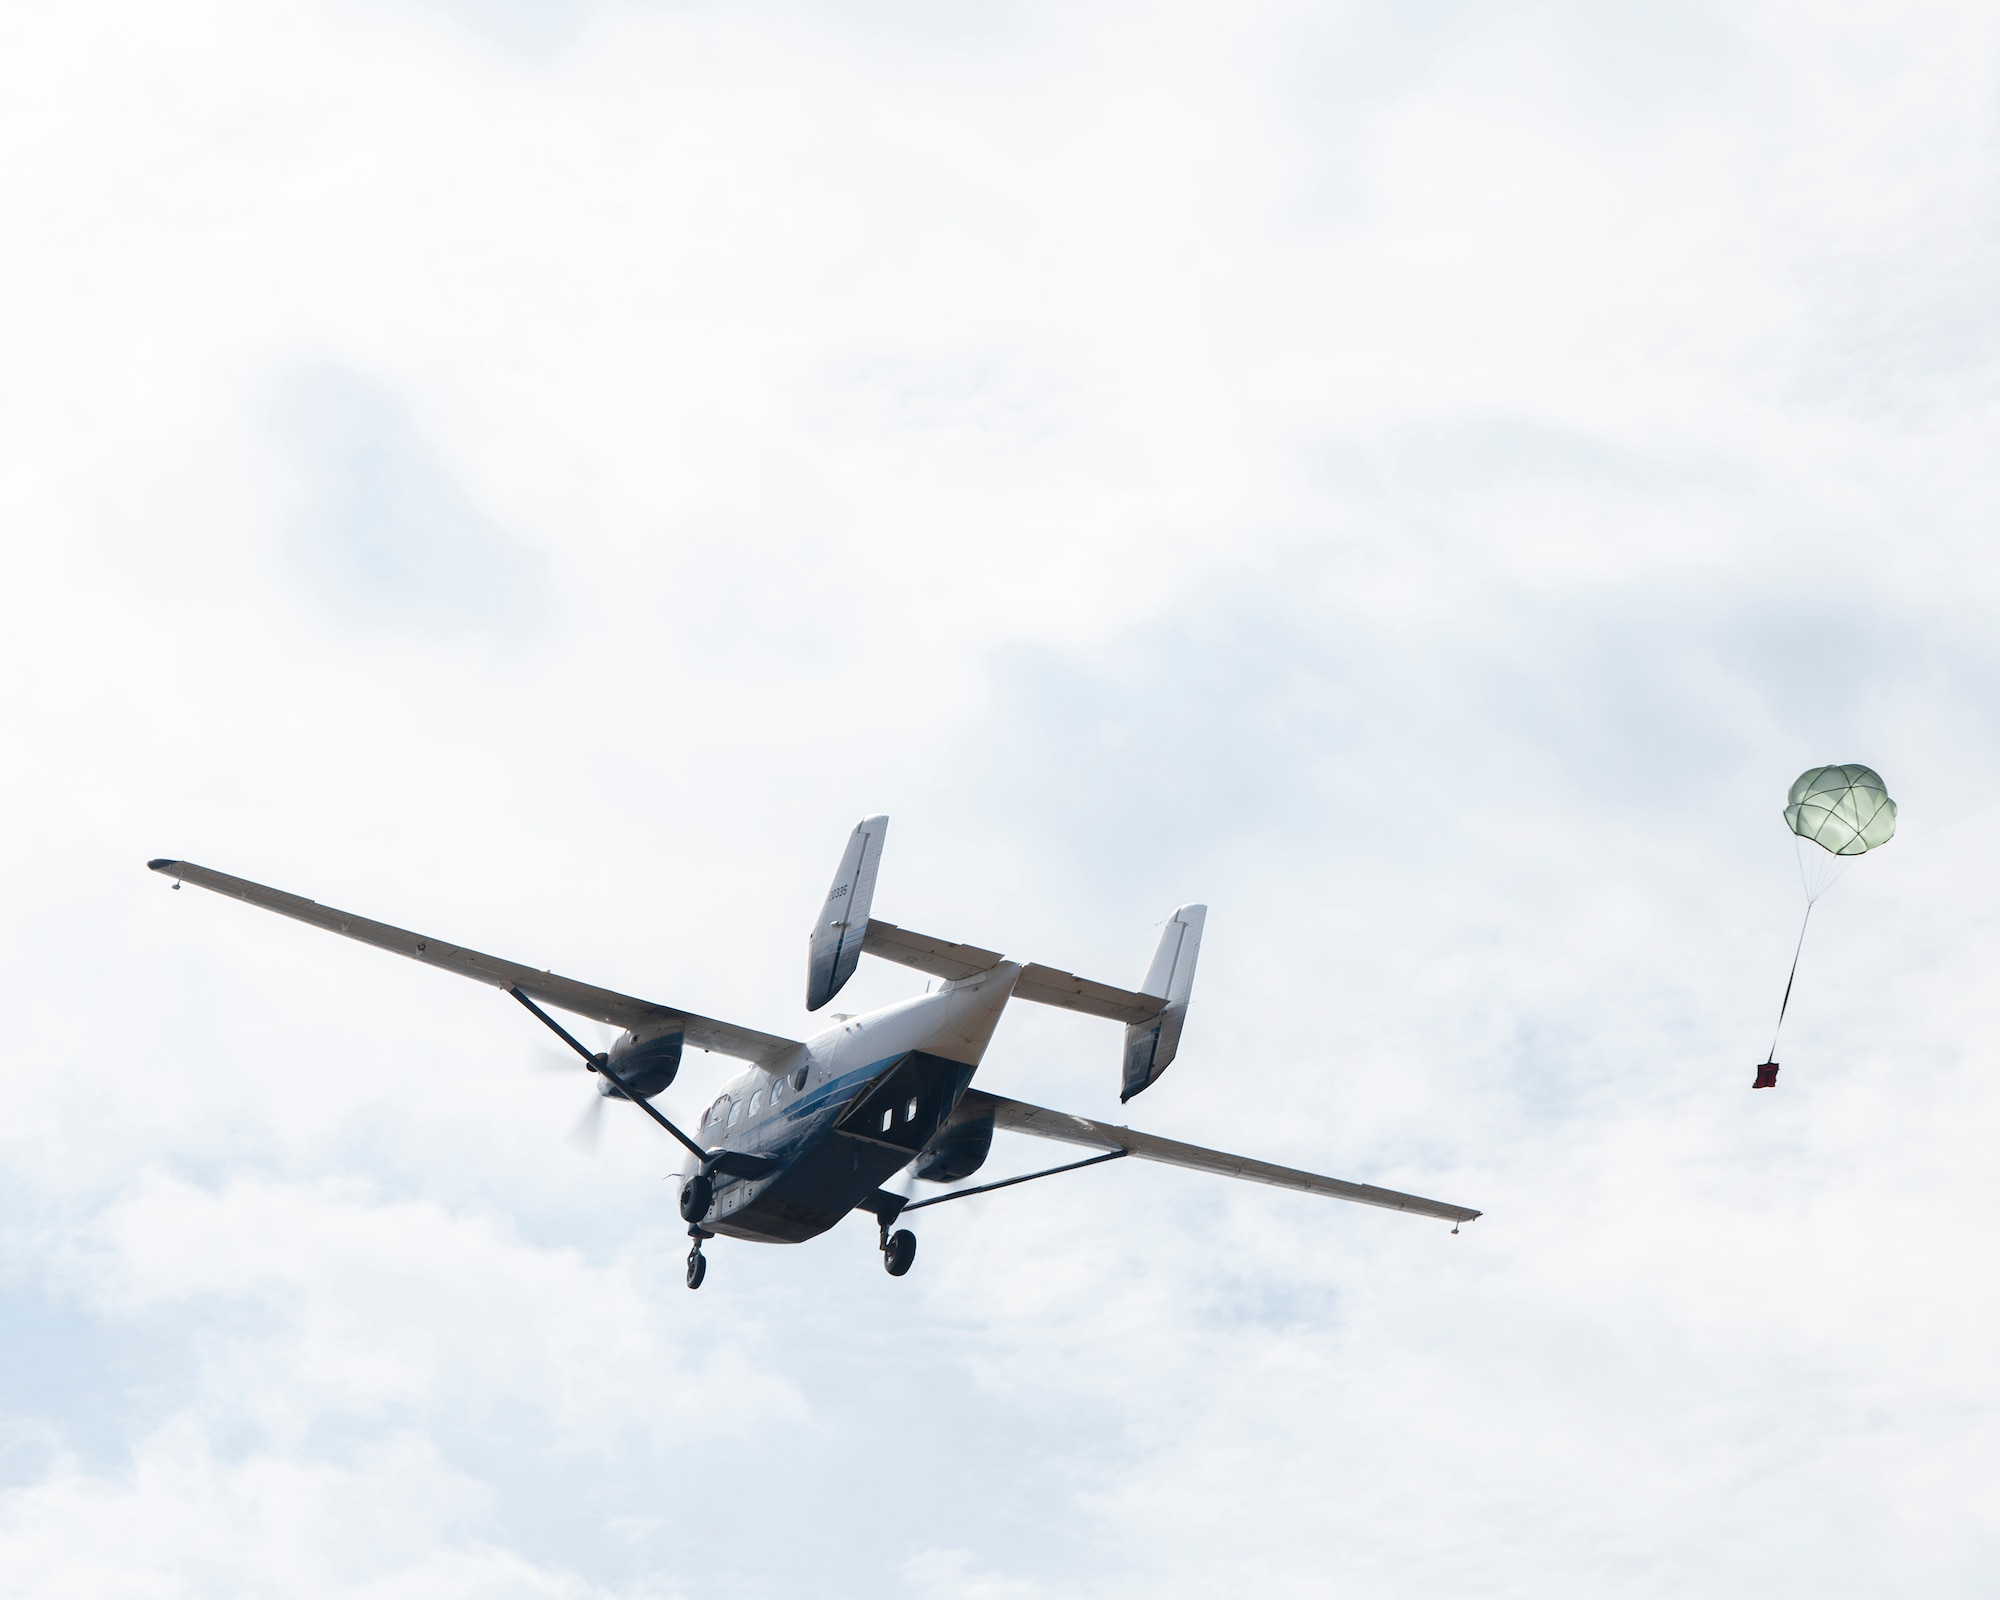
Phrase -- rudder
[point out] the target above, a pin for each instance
(1150, 1046)
(835, 948)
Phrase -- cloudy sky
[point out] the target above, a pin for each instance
(1420, 478)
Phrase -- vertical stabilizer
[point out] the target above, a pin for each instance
(1150, 1046)
(835, 948)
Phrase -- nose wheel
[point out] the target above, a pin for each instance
(697, 1262)
(899, 1250)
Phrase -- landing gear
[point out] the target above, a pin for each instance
(899, 1249)
(697, 1262)
(697, 1195)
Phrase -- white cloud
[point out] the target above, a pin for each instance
(383, 532)
(942, 1573)
(370, 1308)
(1421, 481)
(393, 1522)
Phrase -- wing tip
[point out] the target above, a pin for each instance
(161, 864)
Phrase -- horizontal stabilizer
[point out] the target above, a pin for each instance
(939, 957)
(1046, 986)
(1016, 1116)
(1050, 986)
(565, 994)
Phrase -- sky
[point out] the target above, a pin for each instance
(1420, 479)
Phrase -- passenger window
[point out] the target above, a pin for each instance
(888, 1117)
(910, 1111)
(736, 1113)
(757, 1102)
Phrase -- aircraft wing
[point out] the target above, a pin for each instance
(566, 994)
(1018, 1117)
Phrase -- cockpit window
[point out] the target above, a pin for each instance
(757, 1102)
(712, 1117)
(735, 1113)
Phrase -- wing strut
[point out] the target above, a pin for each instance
(600, 1062)
(1008, 1183)
(881, 1201)
(1016, 1116)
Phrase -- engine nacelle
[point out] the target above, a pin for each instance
(958, 1150)
(647, 1058)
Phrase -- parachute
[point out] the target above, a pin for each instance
(1845, 811)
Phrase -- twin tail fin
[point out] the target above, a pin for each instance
(1153, 1014)
(1150, 1047)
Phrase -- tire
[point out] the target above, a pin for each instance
(901, 1252)
(697, 1195)
(697, 1268)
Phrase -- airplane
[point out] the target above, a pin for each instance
(811, 1129)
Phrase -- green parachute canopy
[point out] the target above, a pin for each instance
(1845, 810)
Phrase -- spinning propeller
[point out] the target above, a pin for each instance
(588, 1133)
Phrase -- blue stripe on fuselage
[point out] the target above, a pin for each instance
(800, 1120)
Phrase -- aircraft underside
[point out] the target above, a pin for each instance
(862, 1131)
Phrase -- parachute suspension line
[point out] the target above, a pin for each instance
(1819, 870)
(1772, 1053)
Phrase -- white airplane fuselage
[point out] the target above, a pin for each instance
(836, 1119)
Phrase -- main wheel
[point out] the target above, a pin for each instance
(901, 1252)
(697, 1195)
(697, 1267)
